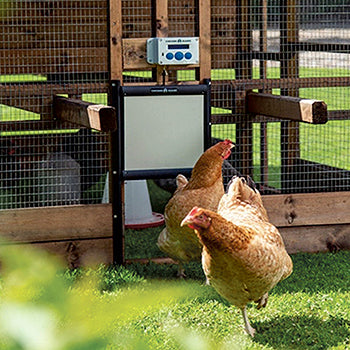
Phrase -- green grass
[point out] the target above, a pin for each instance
(146, 307)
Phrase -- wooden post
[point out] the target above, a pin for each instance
(290, 147)
(160, 29)
(204, 40)
(264, 169)
(244, 127)
(115, 40)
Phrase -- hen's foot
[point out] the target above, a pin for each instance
(248, 328)
(262, 301)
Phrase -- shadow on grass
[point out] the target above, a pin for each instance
(302, 332)
(193, 271)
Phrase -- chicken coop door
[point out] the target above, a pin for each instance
(166, 129)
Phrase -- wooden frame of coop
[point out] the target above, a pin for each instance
(81, 232)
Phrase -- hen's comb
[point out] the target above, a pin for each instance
(228, 142)
(194, 211)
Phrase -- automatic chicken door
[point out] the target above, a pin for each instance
(164, 129)
(161, 132)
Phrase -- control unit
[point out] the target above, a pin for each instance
(166, 51)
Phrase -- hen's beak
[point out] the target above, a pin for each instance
(186, 221)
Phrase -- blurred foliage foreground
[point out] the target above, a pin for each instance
(44, 306)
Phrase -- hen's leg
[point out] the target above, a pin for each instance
(262, 301)
(181, 271)
(249, 329)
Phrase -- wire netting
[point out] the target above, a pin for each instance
(50, 48)
(285, 47)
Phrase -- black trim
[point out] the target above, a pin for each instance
(155, 174)
(165, 90)
(116, 180)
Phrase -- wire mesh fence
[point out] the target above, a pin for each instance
(48, 48)
(285, 47)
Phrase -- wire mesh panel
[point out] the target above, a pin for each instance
(288, 48)
(49, 48)
(285, 47)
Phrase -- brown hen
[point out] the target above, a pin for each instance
(205, 188)
(243, 254)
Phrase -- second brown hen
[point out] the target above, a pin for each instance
(205, 188)
(243, 253)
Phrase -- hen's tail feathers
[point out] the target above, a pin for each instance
(245, 179)
(181, 181)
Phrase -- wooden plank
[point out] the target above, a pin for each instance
(56, 223)
(44, 36)
(161, 30)
(243, 69)
(75, 253)
(115, 42)
(8, 91)
(204, 40)
(299, 209)
(290, 138)
(284, 83)
(86, 114)
(53, 61)
(286, 107)
(314, 239)
(135, 54)
(223, 34)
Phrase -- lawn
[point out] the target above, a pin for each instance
(145, 307)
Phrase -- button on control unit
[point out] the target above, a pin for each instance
(167, 51)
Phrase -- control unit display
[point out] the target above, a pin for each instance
(165, 51)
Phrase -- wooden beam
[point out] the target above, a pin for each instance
(74, 253)
(115, 43)
(54, 61)
(161, 30)
(86, 114)
(204, 40)
(284, 83)
(286, 107)
(312, 223)
(315, 239)
(305, 209)
(61, 223)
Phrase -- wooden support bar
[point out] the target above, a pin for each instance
(287, 82)
(86, 114)
(286, 107)
(305, 209)
(205, 37)
(302, 219)
(50, 224)
(290, 138)
(161, 30)
(244, 69)
(42, 61)
(115, 43)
